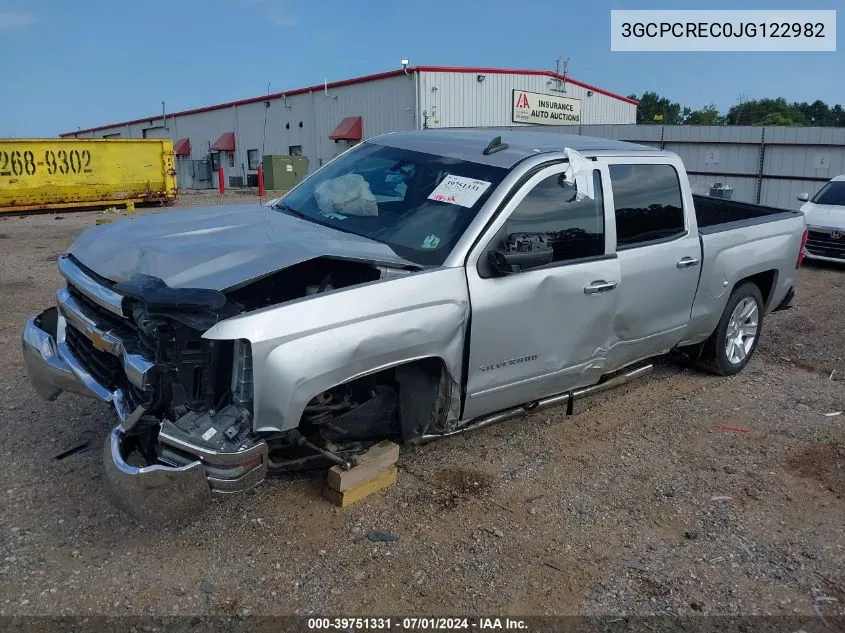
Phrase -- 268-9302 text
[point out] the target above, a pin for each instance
(26, 163)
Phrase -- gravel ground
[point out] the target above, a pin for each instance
(635, 505)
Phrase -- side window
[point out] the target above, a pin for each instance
(647, 201)
(550, 225)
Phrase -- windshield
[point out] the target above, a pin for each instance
(832, 193)
(418, 204)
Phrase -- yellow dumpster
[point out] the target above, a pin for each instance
(63, 173)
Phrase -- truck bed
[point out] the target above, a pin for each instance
(717, 214)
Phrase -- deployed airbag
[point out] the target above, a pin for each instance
(579, 173)
(348, 195)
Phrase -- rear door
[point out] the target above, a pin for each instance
(545, 329)
(659, 256)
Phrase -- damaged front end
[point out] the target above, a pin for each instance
(185, 402)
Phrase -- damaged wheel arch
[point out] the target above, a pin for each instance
(303, 348)
(418, 397)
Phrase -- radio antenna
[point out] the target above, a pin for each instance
(561, 71)
(264, 132)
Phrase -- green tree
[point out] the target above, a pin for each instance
(816, 113)
(708, 115)
(656, 109)
(777, 118)
(764, 111)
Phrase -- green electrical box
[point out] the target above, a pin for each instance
(282, 173)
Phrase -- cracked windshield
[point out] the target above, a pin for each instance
(416, 203)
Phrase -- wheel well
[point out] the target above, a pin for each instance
(765, 281)
(425, 389)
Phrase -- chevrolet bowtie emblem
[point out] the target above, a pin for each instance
(99, 341)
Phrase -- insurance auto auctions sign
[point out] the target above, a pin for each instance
(532, 107)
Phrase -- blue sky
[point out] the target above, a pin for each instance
(71, 64)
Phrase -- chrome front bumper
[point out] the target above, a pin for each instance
(52, 367)
(48, 373)
(153, 493)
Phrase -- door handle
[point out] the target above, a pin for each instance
(688, 262)
(597, 287)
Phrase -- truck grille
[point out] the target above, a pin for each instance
(153, 361)
(821, 243)
(104, 318)
(108, 346)
(105, 368)
(124, 328)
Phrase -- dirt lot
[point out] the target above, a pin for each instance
(635, 505)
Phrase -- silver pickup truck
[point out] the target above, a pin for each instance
(419, 285)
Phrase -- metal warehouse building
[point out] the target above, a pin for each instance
(322, 121)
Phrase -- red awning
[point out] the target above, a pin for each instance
(226, 143)
(350, 129)
(183, 147)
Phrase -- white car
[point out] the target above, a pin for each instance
(825, 217)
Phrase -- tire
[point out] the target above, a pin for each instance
(731, 345)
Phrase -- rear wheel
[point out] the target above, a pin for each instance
(731, 345)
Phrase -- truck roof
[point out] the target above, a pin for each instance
(469, 144)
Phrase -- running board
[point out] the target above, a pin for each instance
(564, 398)
(616, 381)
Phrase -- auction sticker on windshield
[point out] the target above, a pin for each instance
(459, 190)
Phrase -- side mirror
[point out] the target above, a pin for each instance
(803, 197)
(499, 263)
(522, 251)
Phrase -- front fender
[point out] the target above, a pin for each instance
(304, 347)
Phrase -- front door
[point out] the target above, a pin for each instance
(546, 328)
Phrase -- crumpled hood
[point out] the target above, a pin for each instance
(824, 215)
(216, 247)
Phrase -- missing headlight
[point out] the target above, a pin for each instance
(242, 375)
